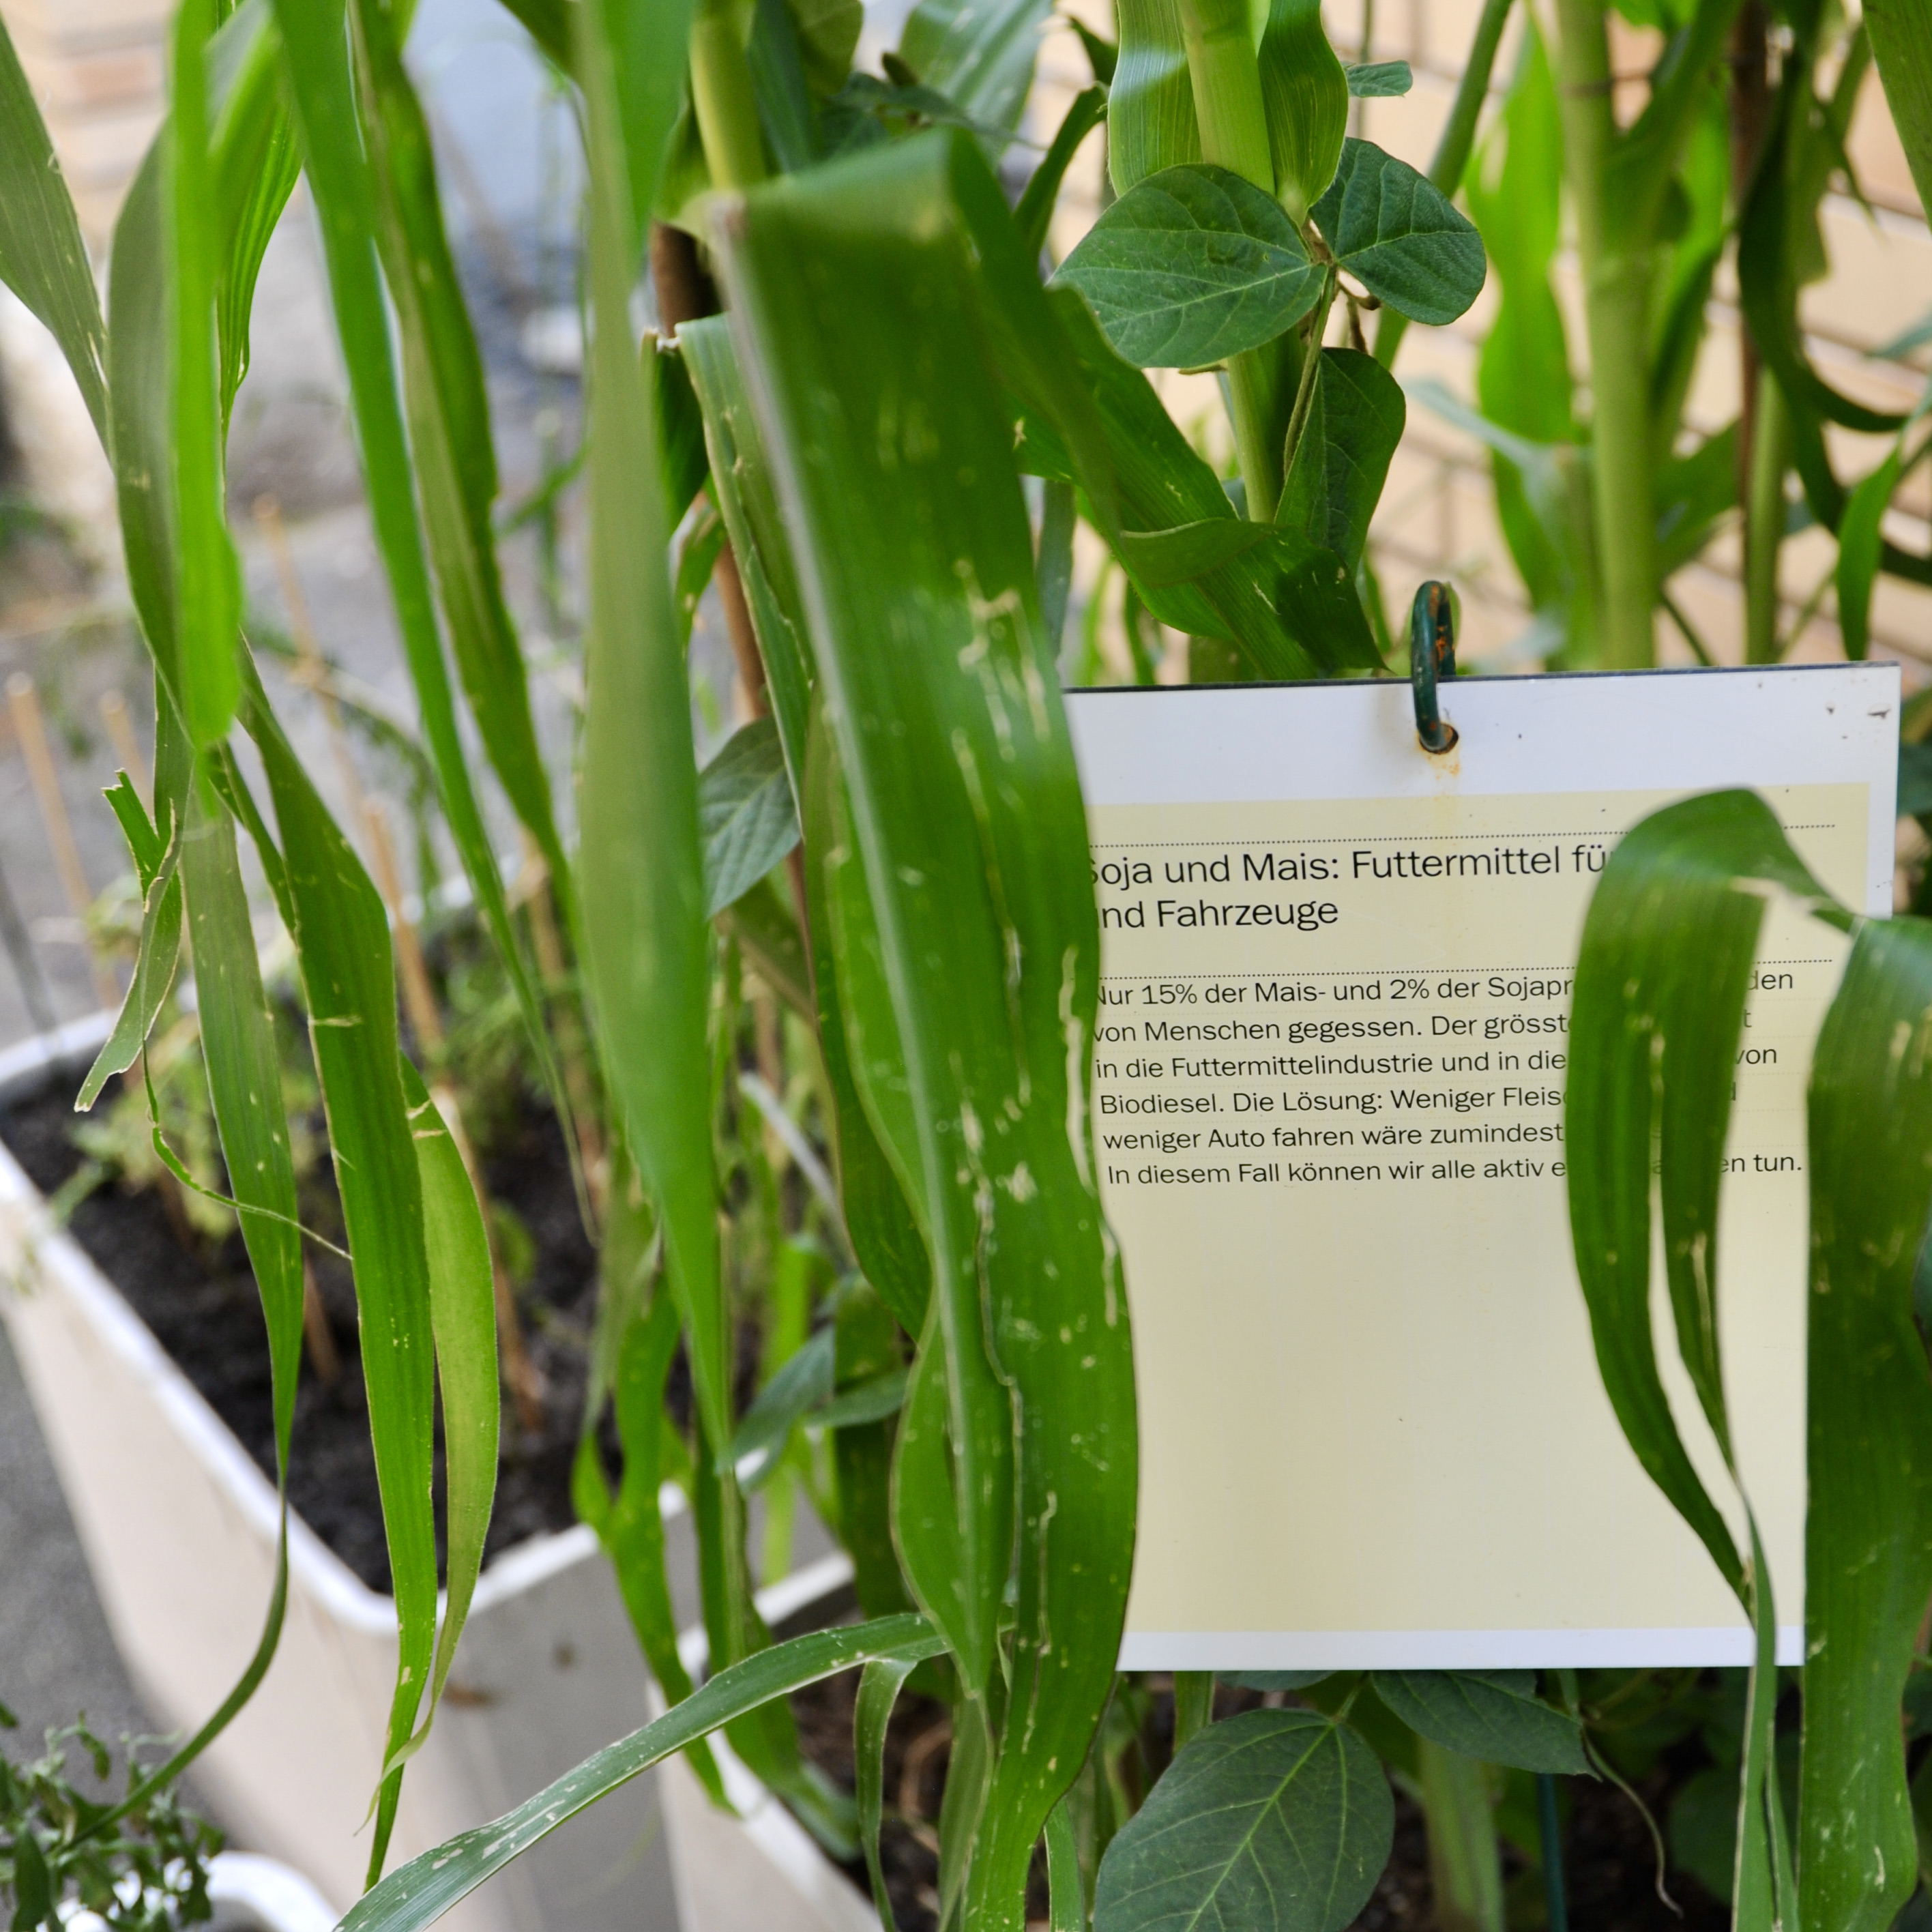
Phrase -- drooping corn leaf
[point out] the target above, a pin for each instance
(42, 259)
(1307, 96)
(1492, 1715)
(1150, 118)
(1395, 232)
(449, 433)
(1869, 1430)
(1190, 266)
(342, 940)
(867, 1350)
(979, 53)
(745, 815)
(971, 781)
(879, 1686)
(1901, 44)
(154, 974)
(1275, 1821)
(1860, 539)
(804, 1381)
(1356, 416)
(419, 1893)
(207, 573)
(1087, 109)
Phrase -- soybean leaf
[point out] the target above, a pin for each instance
(419, 1893)
(42, 259)
(1271, 1680)
(1379, 80)
(1191, 266)
(1086, 110)
(1494, 1715)
(765, 924)
(871, 1400)
(1275, 1821)
(463, 1316)
(1307, 97)
(851, 285)
(979, 53)
(879, 1685)
(802, 1383)
(745, 815)
(1397, 235)
(1356, 415)
(1150, 118)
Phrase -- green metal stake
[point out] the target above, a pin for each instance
(1550, 1833)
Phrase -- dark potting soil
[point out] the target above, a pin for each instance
(199, 1298)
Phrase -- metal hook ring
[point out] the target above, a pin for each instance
(1432, 657)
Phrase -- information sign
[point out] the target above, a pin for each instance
(1328, 1091)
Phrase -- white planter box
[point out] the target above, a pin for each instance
(179, 1527)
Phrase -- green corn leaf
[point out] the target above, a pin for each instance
(972, 782)
(1275, 1821)
(803, 1382)
(1065, 1889)
(885, 1239)
(550, 24)
(1915, 779)
(862, 1454)
(1103, 56)
(1694, 493)
(644, 925)
(979, 53)
(1306, 93)
(680, 431)
(154, 974)
(1191, 266)
(463, 1314)
(745, 815)
(871, 1400)
(1870, 1427)
(42, 259)
(741, 478)
(244, 1081)
(1901, 43)
(1492, 1715)
(764, 924)
(418, 1894)
(697, 563)
(1379, 80)
(1150, 117)
(775, 60)
(207, 575)
(1860, 539)
(1356, 416)
(828, 37)
(33, 1885)
(144, 842)
(638, 1328)
(1158, 559)
(448, 419)
(1395, 231)
(1085, 112)
(255, 163)
(879, 1686)
(1059, 517)
(342, 939)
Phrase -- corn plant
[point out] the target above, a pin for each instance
(896, 849)
(1599, 499)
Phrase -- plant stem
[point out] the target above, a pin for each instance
(721, 94)
(1311, 363)
(1764, 520)
(1464, 1862)
(1616, 285)
(1227, 81)
(1193, 1705)
(1458, 138)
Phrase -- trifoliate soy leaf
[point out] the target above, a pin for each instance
(1379, 80)
(1271, 1680)
(1394, 231)
(745, 815)
(1495, 1715)
(1276, 1821)
(1355, 419)
(1306, 97)
(1190, 266)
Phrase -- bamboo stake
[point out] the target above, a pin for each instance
(126, 747)
(520, 1372)
(323, 1354)
(31, 727)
